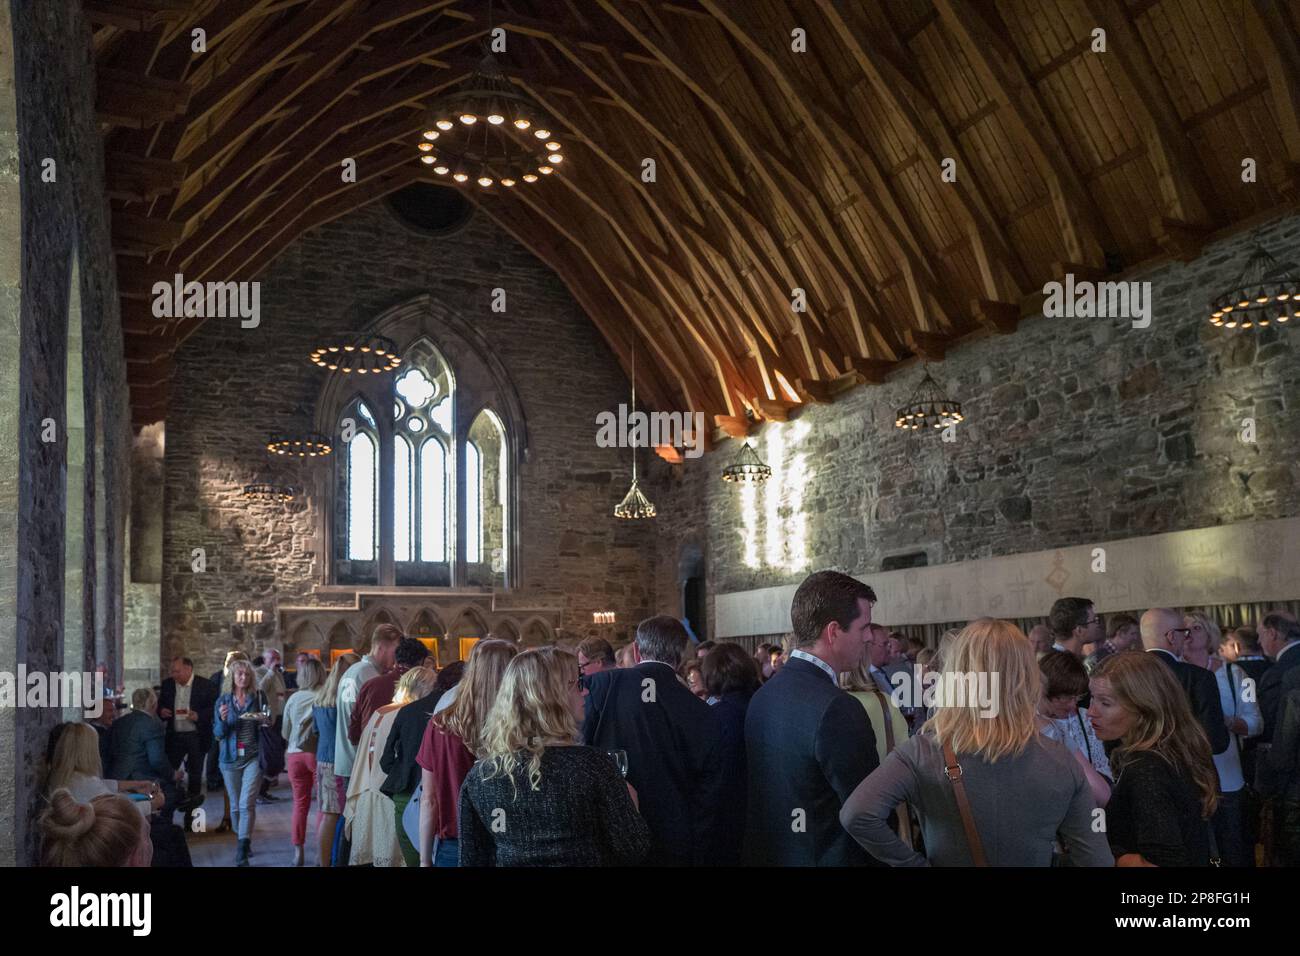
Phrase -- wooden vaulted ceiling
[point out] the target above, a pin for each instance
(776, 169)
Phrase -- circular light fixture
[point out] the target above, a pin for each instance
(471, 145)
(372, 354)
(309, 445)
(268, 491)
(431, 134)
(748, 468)
(1263, 293)
(928, 407)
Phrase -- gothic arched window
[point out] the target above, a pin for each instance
(416, 455)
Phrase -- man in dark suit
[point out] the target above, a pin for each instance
(185, 704)
(137, 748)
(672, 741)
(809, 744)
(1164, 635)
(1279, 637)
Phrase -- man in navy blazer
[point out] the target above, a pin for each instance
(1164, 635)
(1280, 639)
(808, 744)
(672, 741)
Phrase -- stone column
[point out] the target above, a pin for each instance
(10, 295)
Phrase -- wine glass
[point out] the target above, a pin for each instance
(620, 761)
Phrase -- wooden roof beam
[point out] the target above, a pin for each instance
(131, 100)
(1084, 230)
(669, 216)
(263, 106)
(830, 129)
(602, 309)
(137, 16)
(139, 178)
(1185, 190)
(268, 54)
(1273, 39)
(897, 88)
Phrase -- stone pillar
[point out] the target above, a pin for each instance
(10, 295)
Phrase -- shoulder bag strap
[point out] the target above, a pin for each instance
(885, 717)
(952, 770)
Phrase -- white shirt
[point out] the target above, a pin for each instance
(1231, 681)
(183, 725)
(446, 700)
(814, 659)
(349, 687)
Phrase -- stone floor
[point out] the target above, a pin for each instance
(270, 839)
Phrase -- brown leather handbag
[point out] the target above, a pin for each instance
(952, 770)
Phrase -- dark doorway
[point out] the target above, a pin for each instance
(694, 605)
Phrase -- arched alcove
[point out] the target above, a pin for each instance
(506, 629)
(468, 628)
(537, 633)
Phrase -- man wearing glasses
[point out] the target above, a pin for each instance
(1074, 624)
(1164, 635)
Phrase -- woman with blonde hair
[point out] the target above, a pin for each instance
(1166, 787)
(448, 750)
(565, 802)
(301, 743)
(75, 766)
(987, 787)
(103, 831)
(371, 824)
(324, 712)
(240, 715)
(1202, 645)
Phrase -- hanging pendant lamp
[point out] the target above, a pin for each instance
(635, 505)
(748, 468)
(1266, 291)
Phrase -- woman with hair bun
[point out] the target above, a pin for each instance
(107, 831)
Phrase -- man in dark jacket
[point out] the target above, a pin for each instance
(1280, 639)
(185, 704)
(672, 741)
(1164, 635)
(137, 749)
(809, 744)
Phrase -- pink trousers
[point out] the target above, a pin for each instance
(302, 776)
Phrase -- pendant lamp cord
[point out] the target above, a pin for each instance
(633, 403)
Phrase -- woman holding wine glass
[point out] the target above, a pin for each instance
(240, 714)
(561, 803)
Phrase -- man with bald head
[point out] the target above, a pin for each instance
(1040, 636)
(1164, 635)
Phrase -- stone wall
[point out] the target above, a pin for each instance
(64, 220)
(1078, 431)
(234, 386)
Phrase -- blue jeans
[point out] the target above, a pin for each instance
(242, 784)
(446, 853)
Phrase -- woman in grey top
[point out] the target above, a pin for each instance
(1025, 791)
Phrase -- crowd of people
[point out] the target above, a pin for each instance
(1158, 740)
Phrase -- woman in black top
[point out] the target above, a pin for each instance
(731, 676)
(537, 798)
(398, 760)
(1166, 787)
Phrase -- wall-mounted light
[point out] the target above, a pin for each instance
(248, 616)
(603, 617)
